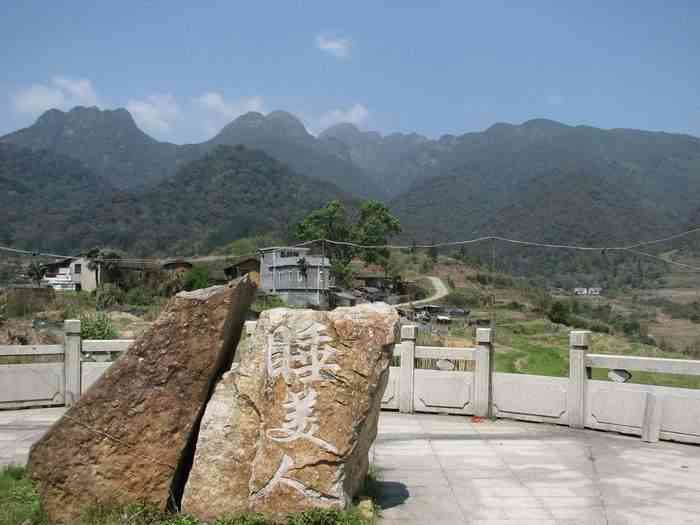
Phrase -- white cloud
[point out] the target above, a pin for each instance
(357, 114)
(215, 103)
(338, 47)
(60, 93)
(156, 113)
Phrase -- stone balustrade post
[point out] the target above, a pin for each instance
(579, 341)
(71, 361)
(408, 361)
(651, 426)
(483, 372)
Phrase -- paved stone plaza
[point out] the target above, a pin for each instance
(450, 470)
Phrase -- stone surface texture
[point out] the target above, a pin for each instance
(126, 439)
(291, 425)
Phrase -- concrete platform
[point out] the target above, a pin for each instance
(450, 470)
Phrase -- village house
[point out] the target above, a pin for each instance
(243, 267)
(176, 266)
(71, 274)
(296, 276)
(595, 291)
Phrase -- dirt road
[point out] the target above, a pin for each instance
(440, 288)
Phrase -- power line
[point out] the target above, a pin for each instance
(145, 260)
(669, 261)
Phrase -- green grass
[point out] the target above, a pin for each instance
(19, 505)
(19, 502)
(539, 347)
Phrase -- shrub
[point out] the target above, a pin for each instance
(97, 326)
(139, 296)
(597, 326)
(463, 298)
(109, 295)
(266, 302)
(197, 277)
(325, 517)
(558, 312)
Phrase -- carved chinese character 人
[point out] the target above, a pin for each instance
(280, 477)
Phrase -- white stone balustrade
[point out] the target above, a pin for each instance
(649, 411)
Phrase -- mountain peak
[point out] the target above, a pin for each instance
(84, 116)
(249, 118)
(287, 122)
(544, 123)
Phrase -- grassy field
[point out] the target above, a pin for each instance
(529, 344)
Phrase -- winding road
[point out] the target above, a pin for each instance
(440, 288)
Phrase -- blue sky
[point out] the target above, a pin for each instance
(432, 67)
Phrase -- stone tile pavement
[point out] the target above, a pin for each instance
(20, 428)
(450, 470)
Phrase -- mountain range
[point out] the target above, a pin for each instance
(91, 176)
(110, 143)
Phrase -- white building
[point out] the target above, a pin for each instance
(71, 274)
(300, 279)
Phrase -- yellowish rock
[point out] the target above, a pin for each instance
(291, 426)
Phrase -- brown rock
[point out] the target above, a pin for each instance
(290, 427)
(126, 440)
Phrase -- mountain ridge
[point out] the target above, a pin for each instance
(110, 143)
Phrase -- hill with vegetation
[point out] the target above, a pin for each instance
(231, 192)
(540, 180)
(556, 183)
(38, 190)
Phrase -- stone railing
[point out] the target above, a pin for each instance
(443, 386)
(54, 375)
(423, 379)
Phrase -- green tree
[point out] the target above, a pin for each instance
(330, 222)
(433, 253)
(374, 227)
(108, 261)
(196, 277)
(35, 271)
(559, 312)
(250, 245)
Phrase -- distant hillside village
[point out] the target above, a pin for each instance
(294, 275)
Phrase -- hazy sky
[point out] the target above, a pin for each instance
(432, 67)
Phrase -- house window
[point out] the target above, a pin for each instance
(77, 268)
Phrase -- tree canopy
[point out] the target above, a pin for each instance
(374, 225)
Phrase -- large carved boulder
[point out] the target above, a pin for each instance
(291, 425)
(130, 437)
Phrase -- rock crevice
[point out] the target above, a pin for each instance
(129, 436)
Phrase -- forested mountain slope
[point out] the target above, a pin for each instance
(231, 192)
